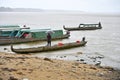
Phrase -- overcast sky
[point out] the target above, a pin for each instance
(81, 5)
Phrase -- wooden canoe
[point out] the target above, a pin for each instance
(7, 40)
(49, 48)
(84, 27)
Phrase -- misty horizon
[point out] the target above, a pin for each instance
(9, 9)
(99, 6)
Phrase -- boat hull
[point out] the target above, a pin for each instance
(84, 27)
(7, 40)
(81, 28)
(49, 48)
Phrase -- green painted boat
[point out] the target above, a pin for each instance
(28, 35)
(49, 48)
(6, 30)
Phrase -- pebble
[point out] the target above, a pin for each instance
(1, 63)
(93, 68)
(20, 73)
(100, 74)
(1, 79)
(5, 48)
(12, 78)
(79, 53)
(82, 60)
(47, 59)
(9, 69)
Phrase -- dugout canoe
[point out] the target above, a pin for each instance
(49, 48)
(84, 27)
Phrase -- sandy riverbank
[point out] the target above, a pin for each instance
(27, 67)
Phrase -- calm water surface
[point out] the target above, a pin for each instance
(103, 43)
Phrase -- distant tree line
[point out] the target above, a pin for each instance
(8, 9)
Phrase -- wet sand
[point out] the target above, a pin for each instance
(28, 67)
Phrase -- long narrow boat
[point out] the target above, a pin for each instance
(12, 34)
(7, 40)
(49, 48)
(5, 30)
(84, 27)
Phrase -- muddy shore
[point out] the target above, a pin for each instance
(28, 67)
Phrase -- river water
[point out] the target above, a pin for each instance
(103, 45)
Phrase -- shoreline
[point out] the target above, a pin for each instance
(29, 67)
